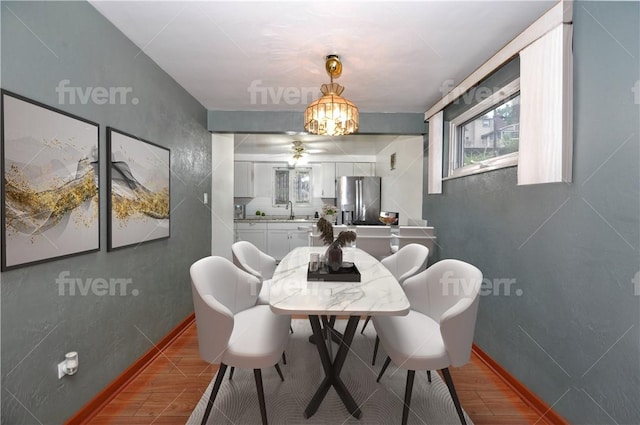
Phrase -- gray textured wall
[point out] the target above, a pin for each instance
(572, 335)
(109, 332)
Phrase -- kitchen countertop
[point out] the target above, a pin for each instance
(277, 219)
(272, 219)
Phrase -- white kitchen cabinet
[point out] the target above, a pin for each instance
(364, 169)
(283, 237)
(277, 242)
(243, 179)
(344, 169)
(355, 169)
(328, 181)
(299, 238)
(256, 233)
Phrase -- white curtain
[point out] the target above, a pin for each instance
(434, 177)
(546, 114)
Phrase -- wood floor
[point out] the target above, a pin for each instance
(169, 388)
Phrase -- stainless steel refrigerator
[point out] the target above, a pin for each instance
(358, 200)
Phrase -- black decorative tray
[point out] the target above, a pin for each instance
(347, 273)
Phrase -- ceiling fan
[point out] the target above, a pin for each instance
(280, 147)
(299, 155)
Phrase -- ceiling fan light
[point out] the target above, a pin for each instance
(299, 155)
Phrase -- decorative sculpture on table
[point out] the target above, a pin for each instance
(334, 252)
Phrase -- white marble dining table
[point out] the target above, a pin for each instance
(377, 293)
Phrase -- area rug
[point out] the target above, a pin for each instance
(381, 403)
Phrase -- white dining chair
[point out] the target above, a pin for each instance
(438, 331)
(232, 329)
(408, 261)
(261, 265)
(249, 258)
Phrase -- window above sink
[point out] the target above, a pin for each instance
(293, 185)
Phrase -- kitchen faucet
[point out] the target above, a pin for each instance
(291, 216)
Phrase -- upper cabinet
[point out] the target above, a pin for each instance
(364, 169)
(344, 169)
(328, 180)
(243, 179)
(281, 184)
(355, 169)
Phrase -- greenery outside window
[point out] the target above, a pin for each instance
(486, 136)
(292, 185)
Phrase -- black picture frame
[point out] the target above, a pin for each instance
(50, 183)
(138, 190)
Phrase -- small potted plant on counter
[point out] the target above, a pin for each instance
(334, 252)
(329, 213)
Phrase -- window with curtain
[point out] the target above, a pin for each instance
(542, 62)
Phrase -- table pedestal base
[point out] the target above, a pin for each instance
(332, 369)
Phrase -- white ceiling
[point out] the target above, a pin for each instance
(278, 144)
(269, 55)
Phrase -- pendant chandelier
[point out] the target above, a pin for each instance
(332, 114)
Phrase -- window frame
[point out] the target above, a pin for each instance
(292, 172)
(510, 90)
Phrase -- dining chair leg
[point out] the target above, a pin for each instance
(429, 376)
(454, 395)
(214, 392)
(284, 358)
(384, 367)
(366, 322)
(231, 373)
(407, 396)
(375, 351)
(257, 373)
(277, 366)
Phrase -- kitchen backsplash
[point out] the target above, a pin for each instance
(264, 204)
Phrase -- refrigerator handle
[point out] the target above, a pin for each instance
(356, 203)
(360, 200)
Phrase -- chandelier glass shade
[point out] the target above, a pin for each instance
(332, 114)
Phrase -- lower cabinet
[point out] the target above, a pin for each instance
(278, 243)
(276, 239)
(299, 238)
(283, 237)
(256, 233)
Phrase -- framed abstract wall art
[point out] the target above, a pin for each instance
(138, 190)
(50, 196)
